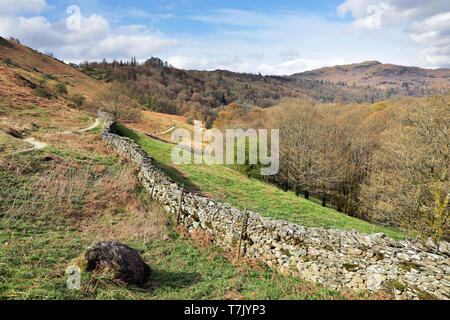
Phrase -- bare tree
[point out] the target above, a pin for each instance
(409, 184)
(116, 102)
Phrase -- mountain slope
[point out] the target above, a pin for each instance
(39, 94)
(162, 88)
(383, 76)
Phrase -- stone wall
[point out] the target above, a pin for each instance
(335, 258)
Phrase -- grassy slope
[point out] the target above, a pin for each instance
(9, 144)
(227, 185)
(23, 72)
(155, 123)
(54, 202)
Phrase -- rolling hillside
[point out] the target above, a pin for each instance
(382, 76)
(57, 200)
(162, 88)
(225, 184)
(25, 110)
(38, 93)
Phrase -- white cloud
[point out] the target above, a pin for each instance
(234, 63)
(427, 23)
(433, 34)
(393, 11)
(231, 62)
(124, 46)
(372, 20)
(22, 6)
(291, 66)
(280, 43)
(289, 54)
(93, 41)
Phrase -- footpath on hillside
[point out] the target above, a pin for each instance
(38, 145)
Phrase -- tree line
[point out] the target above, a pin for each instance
(159, 87)
(386, 163)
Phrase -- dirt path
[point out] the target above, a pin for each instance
(95, 125)
(165, 132)
(38, 145)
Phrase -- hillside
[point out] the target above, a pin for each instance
(223, 183)
(162, 88)
(411, 80)
(57, 200)
(39, 94)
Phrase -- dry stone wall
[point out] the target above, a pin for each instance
(366, 263)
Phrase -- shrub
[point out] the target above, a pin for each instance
(42, 92)
(61, 88)
(78, 99)
(5, 43)
(50, 76)
(9, 62)
(14, 40)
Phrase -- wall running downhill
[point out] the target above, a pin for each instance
(366, 263)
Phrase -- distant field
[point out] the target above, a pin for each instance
(154, 122)
(227, 185)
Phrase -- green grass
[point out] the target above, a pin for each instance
(9, 144)
(84, 118)
(228, 185)
(39, 240)
(34, 263)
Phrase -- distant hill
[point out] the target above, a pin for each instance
(382, 76)
(162, 88)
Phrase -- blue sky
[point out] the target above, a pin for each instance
(271, 37)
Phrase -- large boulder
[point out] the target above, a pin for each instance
(116, 259)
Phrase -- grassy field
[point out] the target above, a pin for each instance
(225, 184)
(54, 202)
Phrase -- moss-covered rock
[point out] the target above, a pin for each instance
(115, 259)
(195, 217)
(427, 296)
(408, 265)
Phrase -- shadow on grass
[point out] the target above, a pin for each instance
(177, 176)
(171, 172)
(174, 279)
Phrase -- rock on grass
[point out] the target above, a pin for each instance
(117, 259)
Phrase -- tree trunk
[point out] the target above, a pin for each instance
(285, 187)
(297, 191)
(306, 194)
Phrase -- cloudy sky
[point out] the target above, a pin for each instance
(271, 37)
